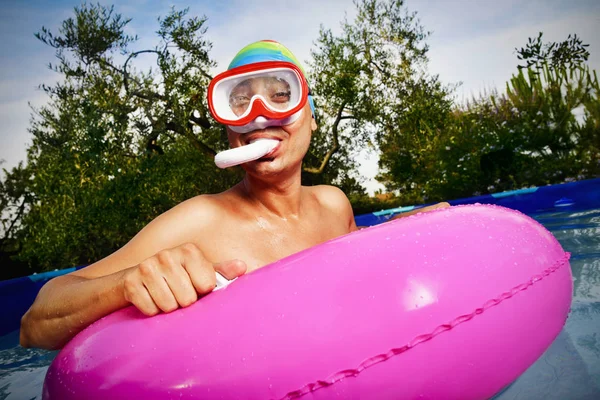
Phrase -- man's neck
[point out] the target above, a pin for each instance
(281, 198)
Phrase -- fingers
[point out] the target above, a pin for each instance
(175, 278)
(199, 269)
(231, 269)
(156, 285)
(137, 294)
(143, 301)
(228, 271)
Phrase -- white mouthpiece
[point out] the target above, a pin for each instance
(243, 154)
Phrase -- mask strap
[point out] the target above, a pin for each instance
(312, 105)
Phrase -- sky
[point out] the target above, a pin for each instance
(472, 42)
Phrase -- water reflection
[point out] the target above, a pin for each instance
(22, 371)
(586, 277)
(560, 373)
(590, 342)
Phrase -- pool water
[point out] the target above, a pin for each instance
(569, 369)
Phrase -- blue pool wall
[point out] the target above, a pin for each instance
(18, 294)
(572, 196)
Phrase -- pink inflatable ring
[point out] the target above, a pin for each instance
(451, 304)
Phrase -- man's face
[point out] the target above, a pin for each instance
(294, 142)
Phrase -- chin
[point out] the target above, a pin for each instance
(273, 170)
(264, 167)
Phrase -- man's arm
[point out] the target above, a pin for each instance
(158, 270)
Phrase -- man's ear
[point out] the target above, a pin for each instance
(313, 124)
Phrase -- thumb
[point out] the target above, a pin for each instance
(231, 269)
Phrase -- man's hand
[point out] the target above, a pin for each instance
(421, 210)
(174, 278)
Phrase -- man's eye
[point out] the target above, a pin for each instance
(238, 100)
(282, 96)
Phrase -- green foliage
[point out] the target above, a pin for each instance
(82, 215)
(370, 78)
(372, 83)
(570, 54)
(93, 32)
(526, 137)
(116, 146)
(15, 197)
(363, 204)
(408, 159)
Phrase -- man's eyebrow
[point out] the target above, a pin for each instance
(242, 85)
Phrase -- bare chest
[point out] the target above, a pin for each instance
(262, 241)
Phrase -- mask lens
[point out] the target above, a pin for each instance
(275, 89)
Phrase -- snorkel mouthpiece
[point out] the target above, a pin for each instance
(256, 150)
(244, 154)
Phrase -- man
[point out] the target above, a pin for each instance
(267, 216)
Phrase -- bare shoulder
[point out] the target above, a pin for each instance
(330, 196)
(179, 225)
(202, 209)
(334, 200)
(186, 218)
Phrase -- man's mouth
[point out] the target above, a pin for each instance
(256, 139)
(267, 157)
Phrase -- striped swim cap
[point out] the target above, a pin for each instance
(268, 50)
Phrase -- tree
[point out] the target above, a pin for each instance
(15, 198)
(373, 88)
(528, 136)
(116, 145)
(571, 53)
(409, 160)
(155, 106)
